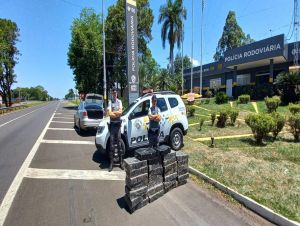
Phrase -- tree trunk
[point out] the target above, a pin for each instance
(5, 99)
(172, 57)
(9, 96)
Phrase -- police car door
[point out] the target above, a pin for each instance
(138, 125)
(165, 114)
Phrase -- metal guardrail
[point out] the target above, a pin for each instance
(10, 109)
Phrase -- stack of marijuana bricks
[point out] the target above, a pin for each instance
(152, 173)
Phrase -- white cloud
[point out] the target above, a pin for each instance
(195, 62)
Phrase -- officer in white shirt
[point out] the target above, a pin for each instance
(154, 127)
(114, 111)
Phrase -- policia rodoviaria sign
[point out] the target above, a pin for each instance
(132, 50)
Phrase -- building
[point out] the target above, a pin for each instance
(248, 69)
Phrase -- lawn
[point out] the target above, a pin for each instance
(208, 130)
(73, 102)
(269, 174)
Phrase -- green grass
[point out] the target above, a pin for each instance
(269, 174)
(34, 103)
(73, 102)
(207, 130)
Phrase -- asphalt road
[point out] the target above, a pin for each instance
(18, 132)
(66, 182)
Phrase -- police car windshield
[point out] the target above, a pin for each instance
(129, 107)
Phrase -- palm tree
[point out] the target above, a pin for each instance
(171, 16)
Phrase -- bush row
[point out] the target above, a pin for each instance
(262, 124)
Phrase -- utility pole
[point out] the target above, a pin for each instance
(296, 35)
(192, 68)
(202, 16)
(104, 61)
(182, 59)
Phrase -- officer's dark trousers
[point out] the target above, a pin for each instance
(153, 137)
(115, 137)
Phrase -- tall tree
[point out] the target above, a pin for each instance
(178, 64)
(85, 52)
(148, 72)
(171, 16)
(9, 34)
(70, 94)
(232, 37)
(116, 39)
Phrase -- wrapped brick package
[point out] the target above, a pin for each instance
(182, 167)
(163, 150)
(145, 153)
(152, 173)
(132, 164)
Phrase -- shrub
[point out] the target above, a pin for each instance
(294, 108)
(294, 122)
(201, 122)
(242, 90)
(261, 125)
(191, 110)
(263, 90)
(221, 98)
(222, 118)
(279, 121)
(213, 118)
(244, 99)
(208, 93)
(233, 114)
(272, 103)
(207, 101)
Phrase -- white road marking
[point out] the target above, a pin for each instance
(62, 122)
(66, 129)
(56, 117)
(67, 142)
(21, 116)
(12, 191)
(74, 174)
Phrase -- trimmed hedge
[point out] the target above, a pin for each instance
(294, 108)
(191, 110)
(244, 99)
(222, 118)
(272, 103)
(294, 122)
(261, 125)
(279, 121)
(233, 114)
(221, 98)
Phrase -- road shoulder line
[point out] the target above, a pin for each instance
(74, 174)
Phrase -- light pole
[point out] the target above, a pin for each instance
(182, 59)
(192, 68)
(201, 47)
(104, 62)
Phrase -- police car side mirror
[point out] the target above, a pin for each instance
(131, 116)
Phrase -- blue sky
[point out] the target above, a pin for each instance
(45, 32)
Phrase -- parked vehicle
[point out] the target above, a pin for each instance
(89, 112)
(135, 121)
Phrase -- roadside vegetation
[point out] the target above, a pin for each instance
(258, 155)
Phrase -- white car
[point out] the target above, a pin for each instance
(135, 121)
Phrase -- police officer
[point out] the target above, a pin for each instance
(154, 127)
(115, 109)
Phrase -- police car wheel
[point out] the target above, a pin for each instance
(176, 139)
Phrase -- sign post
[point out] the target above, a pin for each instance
(132, 50)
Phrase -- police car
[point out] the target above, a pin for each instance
(135, 122)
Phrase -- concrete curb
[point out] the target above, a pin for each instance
(249, 203)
